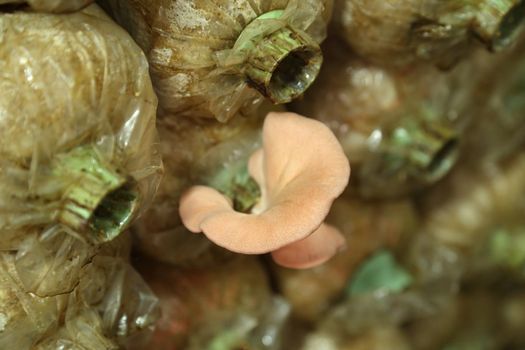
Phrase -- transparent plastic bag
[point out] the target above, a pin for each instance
(403, 134)
(25, 317)
(79, 161)
(437, 31)
(400, 133)
(361, 321)
(496, 127)
(375, 339)
(218, 58)
(109, 307)
(432, 332)
(479, 324)
(475, 197)
(77, 127)
(367, 227)
(50, 263)
(462, 213)
(214, 308)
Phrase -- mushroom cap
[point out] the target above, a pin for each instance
(301, 170)
(314, 250)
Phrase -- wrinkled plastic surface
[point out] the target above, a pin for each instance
(496, 127)
(356, 317)
(189, 44)
(403, 33)
(483, 195)
(471, 221)
(455, 226)
(226, 307)
(110, 306)
(471, 233)
(376, 339)
(366, 227)
(69, 81)
(400, 133)
(53, 6)
(478, 318)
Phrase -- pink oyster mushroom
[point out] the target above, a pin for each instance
(301, 169)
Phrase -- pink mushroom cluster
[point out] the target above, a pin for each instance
(300, 169)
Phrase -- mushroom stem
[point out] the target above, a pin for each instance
(429, 148)
(283, 63)
(498, 21)
(99, 199)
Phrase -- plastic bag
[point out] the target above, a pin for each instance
(54, 6)
(225, 307)
(109, 307)
(375, 339)
(462, 213)
(78, 164)
(218, 58)
(479, 324)
(400, 133)
(496, 128)
(359, 320)
(442, 32)
(483, 193)
(77, 127)
(366, 227)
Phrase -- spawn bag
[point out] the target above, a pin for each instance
(110, 306)
(439, 31)
(220, 57)
(461, 212)
(226, 307)
(378, 338)
(483, 195)
(400, 132)
(54, 6)
(367, 227)
(77, 127)
(382, 296)
(496, 127)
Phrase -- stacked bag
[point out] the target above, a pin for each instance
(254, 111)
